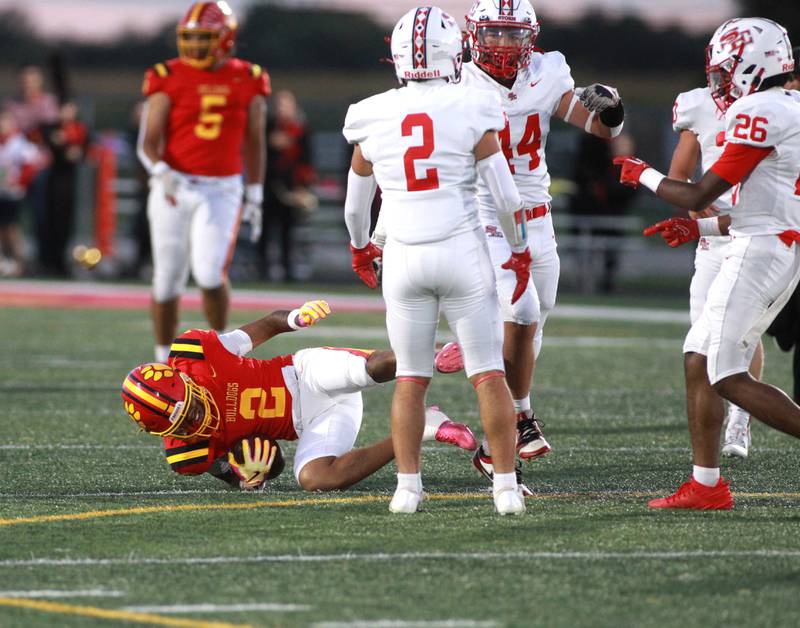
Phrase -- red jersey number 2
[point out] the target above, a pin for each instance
(431, 179)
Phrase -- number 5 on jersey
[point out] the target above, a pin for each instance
(431, 179)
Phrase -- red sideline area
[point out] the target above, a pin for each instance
(94, 296)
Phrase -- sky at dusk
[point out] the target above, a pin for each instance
(98, 19)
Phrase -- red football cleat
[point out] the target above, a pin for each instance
(449, 358)
(695, 496)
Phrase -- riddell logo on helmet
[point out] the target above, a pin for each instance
(421, 74)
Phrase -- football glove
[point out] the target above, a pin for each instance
(256, 463)
(362, 263)
(520, 263)
(168, 179)
(310, 312)
(675, 231)
(597, 98)
(632, 169)
(252, 213)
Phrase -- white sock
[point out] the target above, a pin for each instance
(503, 481)
(522, 405)
(706, 476)
(738, 415)
(410, 482)
(162, 353)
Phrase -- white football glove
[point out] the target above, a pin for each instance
(597, 97)
(256, 464)
(252, 214)
(169, 180)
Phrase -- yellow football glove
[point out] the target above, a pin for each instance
(309, 313)
(256, 463)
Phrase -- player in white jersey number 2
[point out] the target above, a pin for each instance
(424, 144)
(701, 127)
(748, 62)
(534, 87)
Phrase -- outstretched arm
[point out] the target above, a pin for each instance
(597, 109)
(243, 340)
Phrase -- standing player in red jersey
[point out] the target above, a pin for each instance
(203, 125)
(208, 397)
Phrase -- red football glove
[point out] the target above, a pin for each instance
(632, 169)
(362, 263)
(520, 263)
(675, 231)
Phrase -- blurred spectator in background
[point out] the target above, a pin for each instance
(66, 140)
(33, 108)
(786, 326)
(600, 199)
(287, 193)
(19, 159)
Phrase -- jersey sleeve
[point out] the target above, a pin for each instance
(155, 79)
(356, 123)
(189, 458)
(754, 122)
(682, 114)
(188, 346)
(560, 78)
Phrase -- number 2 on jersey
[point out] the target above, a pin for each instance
(529, 144)
(431, 179)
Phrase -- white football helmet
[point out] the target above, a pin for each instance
(427, 44)
(742, 53)
(502, 35)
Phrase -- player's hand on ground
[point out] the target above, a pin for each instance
(520, 263)
(258, 454)
(597, 97)
(675, 231)
(162, 174)
(362, 263)
(311, 312)
(632, 169)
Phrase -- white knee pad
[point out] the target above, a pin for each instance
(168, 283)
(527, 310)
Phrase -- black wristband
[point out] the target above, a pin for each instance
(613, 116)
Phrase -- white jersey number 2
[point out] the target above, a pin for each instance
(431, 179)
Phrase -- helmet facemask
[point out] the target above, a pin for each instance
(196, 416)
(198, 47)
(502, 49)
(720, 81)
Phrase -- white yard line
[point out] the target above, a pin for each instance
(217, 608)
(399, 623)
(52, 593)
(402, 556)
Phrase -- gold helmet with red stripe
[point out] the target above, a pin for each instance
(206, 34)
(166, 402)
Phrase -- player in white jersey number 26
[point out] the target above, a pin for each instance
(701, 127)
(748, 62)
(425, 145)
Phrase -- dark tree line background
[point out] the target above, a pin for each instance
(287, 39)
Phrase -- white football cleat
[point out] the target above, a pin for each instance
(509, 501)
(406, 501)
(531, 442)
(737, 439)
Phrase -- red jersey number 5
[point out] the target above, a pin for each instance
(431, 179)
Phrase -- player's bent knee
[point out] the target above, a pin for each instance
(480, 378)
(727, 387)
(316, 476)
(209, 279)
(166, 288)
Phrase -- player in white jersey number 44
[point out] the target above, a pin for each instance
(425, 145)
(534, 87)
(748, 62)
